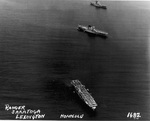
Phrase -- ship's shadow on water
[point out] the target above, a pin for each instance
(94, 36)
(66, 92)
(97, 36)
(82, 105)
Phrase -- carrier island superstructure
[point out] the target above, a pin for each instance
(84, 94)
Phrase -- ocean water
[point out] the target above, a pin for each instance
(41, 52)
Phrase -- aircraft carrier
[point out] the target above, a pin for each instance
(84, 94)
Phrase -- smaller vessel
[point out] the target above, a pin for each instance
(98, 5)
(84, 94)
(91, 30)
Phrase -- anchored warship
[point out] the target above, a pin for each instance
(84, 94)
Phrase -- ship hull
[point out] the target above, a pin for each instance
(99, 6)
(84, 94)
(94, 32)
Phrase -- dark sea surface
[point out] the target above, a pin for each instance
(41, 52)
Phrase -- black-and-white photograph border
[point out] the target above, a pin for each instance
(74, 60)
